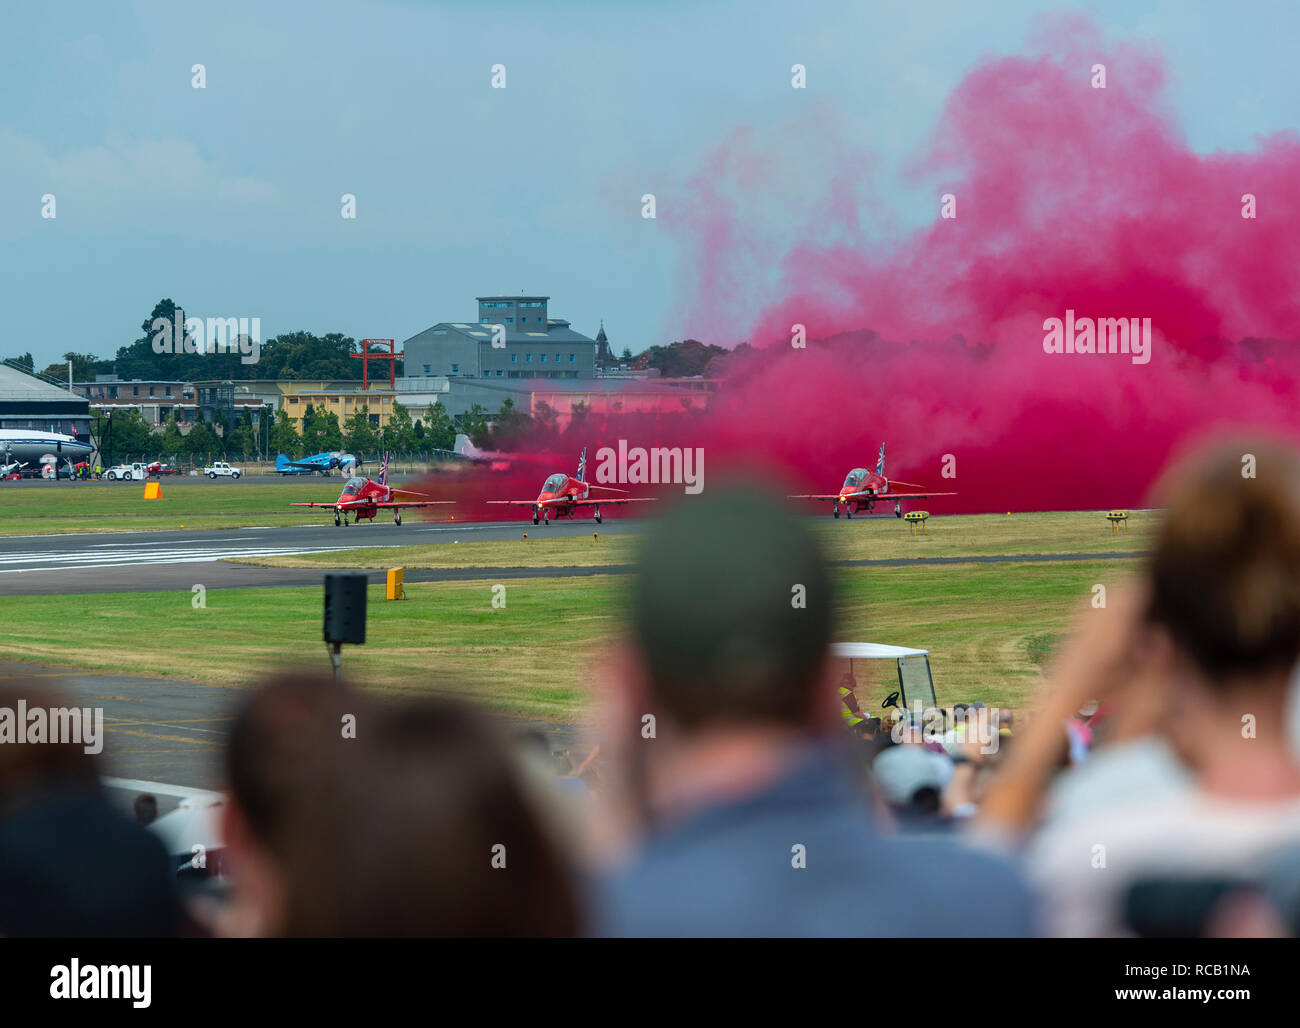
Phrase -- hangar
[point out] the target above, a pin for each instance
(29, 401)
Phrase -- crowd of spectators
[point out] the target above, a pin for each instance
(739, 786)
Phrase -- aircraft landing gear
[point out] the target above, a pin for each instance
(546, 518)
(535, 518)
(898, 509)
(336, 519)
(598, 515)
(848, 511)
(835, 509)
(397, 517)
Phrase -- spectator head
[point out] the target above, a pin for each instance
(86, 870)
(286, 745)
(1225, 568)
(145, 809)
(398, 830)
(732, 613)
(911, 778)
(433, 831)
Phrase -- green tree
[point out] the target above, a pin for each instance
(511, 426)
(284, 437)
(311, 426)
(130, 435)
(328, 431)
(26, 362)
(202, 443)
(172, 442)
(475, 425)
(399, 433)
(242, 441)
(361, 436)
(439, 428)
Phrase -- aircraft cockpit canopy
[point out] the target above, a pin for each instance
(354, 486)
(856, 477)
(555, 483)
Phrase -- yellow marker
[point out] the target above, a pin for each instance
(525, 535)
(153, 490)
(595, 536)
(396, 589)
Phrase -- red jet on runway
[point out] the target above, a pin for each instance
(365, 498)
(562, 496)
(862, 489)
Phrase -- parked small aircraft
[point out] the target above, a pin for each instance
(363, 498)
(321, 464)
(562, 495)
(862, 490)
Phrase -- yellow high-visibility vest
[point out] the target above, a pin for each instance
(850, 718)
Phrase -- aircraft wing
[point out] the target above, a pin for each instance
(907, 496)
(608, 503)
(407, 503)
(815, 496)
(518, 503)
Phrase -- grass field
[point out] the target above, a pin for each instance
(985, 625)
(202, 504)
(874, 539)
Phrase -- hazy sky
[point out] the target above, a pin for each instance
(227, 199)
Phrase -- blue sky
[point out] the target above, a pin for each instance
(226, 199)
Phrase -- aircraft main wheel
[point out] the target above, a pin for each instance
(547, 519)
(848, 513)
(397, 519)
(534, 519)
(598, 519)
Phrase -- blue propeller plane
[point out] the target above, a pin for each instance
(320, 464)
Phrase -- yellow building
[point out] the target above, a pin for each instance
(344, 403)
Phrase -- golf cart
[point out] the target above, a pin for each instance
(911, 672)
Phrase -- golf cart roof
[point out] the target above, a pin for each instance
(874, 651)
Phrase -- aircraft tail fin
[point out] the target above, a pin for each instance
(582, 466)
(464, 447)
(880, 461)
(383, 470)
(281, 462)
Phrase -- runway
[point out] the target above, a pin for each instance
(167, 730)
(159, 561)
(141, 561)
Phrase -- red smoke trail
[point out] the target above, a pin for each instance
(1067, 197)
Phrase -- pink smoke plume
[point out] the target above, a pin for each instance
(1067, 197)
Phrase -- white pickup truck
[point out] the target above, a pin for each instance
(128, 472)
(221, 468)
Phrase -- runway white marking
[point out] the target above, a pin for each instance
(133, 556)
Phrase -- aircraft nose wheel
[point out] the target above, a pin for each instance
(336, 521)
(835, 509)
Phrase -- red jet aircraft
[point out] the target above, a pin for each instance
(862, 489)
(562, 496)
(365, 498)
